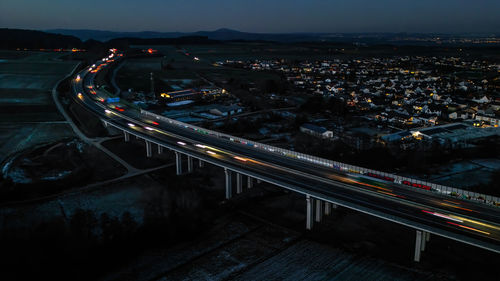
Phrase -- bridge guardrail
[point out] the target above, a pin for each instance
(422, 185)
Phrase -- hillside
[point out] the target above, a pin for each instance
(32, 39)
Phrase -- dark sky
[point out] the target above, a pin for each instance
(449, 16)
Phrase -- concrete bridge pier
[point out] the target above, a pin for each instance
(421, 238)
(249, 182)
(422, 248)
(190, 164)
(178, 163)
(328, 208)
(149, 151)
(319, 210)
(126, 135)
(105, 124)
(160, 149)
(229, 187)
(418, 245)
(239, 183)
(309, 212)
(201, 164)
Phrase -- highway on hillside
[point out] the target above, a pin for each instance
(462, 220)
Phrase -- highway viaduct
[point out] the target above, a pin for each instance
(322, 194)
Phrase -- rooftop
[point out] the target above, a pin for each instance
(314, 128)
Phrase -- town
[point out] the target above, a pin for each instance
(405, 95)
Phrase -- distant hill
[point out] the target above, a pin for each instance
(162, 41)
(222, 34)
(103, 36)
(229, 34)
(32, 39)
(225, 34)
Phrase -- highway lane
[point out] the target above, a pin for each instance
(273, 167)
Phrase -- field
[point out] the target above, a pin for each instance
(265, 51)
(135, 73)
(18, 136)
(28, 115)
(182, 71)
(5, 54)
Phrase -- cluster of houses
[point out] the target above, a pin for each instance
(403, 93)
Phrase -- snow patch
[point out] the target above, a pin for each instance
(18, 176)
(57, 176)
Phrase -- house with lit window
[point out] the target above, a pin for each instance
(491, 120)
(188, 94)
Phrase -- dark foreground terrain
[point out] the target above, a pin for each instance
(164, 227)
